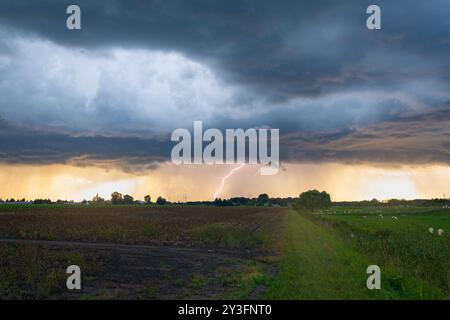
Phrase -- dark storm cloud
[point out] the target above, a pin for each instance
(281, 49)
(419, 139)
(310, 68)
(21, 145)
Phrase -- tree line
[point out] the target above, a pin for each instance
(118, 198)
(311, 200)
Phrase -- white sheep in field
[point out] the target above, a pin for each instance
(394, 217)
(430, 230)
(441, 232)
(381, 216)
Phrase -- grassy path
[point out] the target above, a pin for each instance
(317, 264)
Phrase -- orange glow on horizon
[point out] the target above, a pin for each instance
(176, 183)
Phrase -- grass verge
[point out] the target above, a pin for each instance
(317, 263)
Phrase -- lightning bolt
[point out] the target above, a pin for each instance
(226, 177)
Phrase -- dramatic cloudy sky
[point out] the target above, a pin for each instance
(361, 113)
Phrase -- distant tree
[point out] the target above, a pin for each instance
(222, 202)
(98, 200)
(313, 199)
(263, 198)
(116, 198)
(241, 201)
(127, 199)
(42, 201)
(148, 199)
(161, 201)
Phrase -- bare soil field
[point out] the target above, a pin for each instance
(138, 252)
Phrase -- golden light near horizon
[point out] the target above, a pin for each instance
(386, 185)
(177, 183)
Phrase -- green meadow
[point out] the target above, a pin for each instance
(326, 253)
